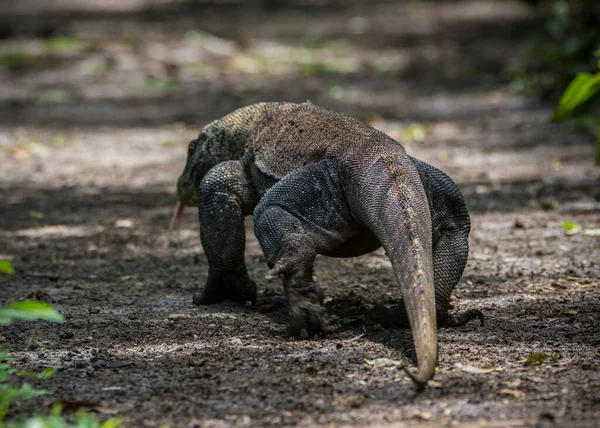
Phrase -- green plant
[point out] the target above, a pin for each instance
(63, 44)
(14, 395)
(29, 310)
(577, 102)
(538, 358)
(570, 228)
(6, 268)
(81, 419)
(16, 61)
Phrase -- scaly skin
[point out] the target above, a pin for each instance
(318, 182)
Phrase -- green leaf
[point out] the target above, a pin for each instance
(415, 132)
(570, 227)
(6, 267)
(112, 422)
(48, 371)
(6, 371)
(63, 44)
(27, 392)
(578, 97)
(568, 312)
(16, 61)
(538, 358)
(29, 310)
(36, 214)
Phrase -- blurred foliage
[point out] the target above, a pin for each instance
(157, 84)
(81, 419)
(6, 267)
(564, 55)
(12, 395)
(414, 133)
(15, 61)
(335, 92)
(53, 96)
(579, 96)
(63, 44)
(36, 215)
(570, 228)
(564, 47)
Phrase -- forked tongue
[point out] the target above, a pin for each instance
(176, 223)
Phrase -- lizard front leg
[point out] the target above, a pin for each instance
(225, 198)
(303, 215)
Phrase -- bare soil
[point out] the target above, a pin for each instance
(87, 179)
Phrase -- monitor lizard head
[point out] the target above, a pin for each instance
(196, 166)
(222, 140)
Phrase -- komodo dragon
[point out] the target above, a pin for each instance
(318, 182)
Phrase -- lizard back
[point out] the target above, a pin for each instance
(289, 136)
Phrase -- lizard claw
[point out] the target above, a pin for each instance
(307, 312)
(308, 320)
(220, 286)
(463, 318)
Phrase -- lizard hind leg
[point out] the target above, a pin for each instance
(303, 215)
(290, 253)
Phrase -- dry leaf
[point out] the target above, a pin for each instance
(472, 369)
(517, 394)
(422, 416)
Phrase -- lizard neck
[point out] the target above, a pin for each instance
(235, 130)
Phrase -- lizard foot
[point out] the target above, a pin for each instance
(307, 313)
(226, 285)
(388, 316)
(395, 316)
(462, 318)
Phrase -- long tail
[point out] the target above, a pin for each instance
(388, 197)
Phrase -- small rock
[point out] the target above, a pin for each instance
(124, 223)
(178, 316)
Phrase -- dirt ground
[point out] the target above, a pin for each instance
(93, 136)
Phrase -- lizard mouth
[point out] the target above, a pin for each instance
(193, 202)
(186, 194)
